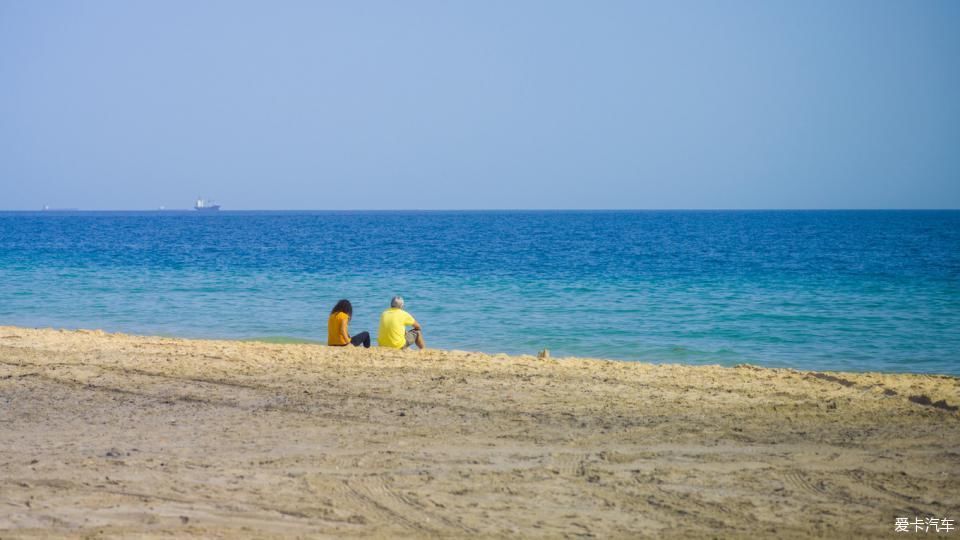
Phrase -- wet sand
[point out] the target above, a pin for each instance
(108, 435)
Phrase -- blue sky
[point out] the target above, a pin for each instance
(463, 105)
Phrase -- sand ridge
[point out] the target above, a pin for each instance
(111, 435)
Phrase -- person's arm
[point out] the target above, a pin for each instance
(343, 331)
(412, 322)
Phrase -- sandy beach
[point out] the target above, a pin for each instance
(109, 435)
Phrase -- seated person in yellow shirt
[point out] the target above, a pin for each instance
(393, 327)
(337, 334)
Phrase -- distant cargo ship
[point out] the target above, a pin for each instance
(205, 205)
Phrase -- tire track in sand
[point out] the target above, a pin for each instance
(570, 464)
(378, 490)
(799, 480)
(372, 499)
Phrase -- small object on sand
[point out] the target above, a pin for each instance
(544, 353)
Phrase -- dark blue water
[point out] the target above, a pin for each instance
(815, 290)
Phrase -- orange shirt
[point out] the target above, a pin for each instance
(337, 328)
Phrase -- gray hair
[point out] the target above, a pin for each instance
(397, 302)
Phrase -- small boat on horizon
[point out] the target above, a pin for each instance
(204, 205)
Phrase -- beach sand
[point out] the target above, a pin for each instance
(109, 435)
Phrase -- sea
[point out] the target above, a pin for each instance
(817, 290)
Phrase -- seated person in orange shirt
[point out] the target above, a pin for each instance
(337, 334)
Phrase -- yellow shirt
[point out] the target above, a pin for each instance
(393, 328)
(336, 328)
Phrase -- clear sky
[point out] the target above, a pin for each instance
(485, 104)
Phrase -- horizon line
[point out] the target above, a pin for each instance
(677, 209)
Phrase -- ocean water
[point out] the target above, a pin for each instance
(857, 290)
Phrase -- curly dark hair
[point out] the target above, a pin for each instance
(343, 306)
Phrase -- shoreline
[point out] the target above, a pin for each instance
(318, 342)
(116, 434)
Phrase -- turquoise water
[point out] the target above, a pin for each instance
(865, 291)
